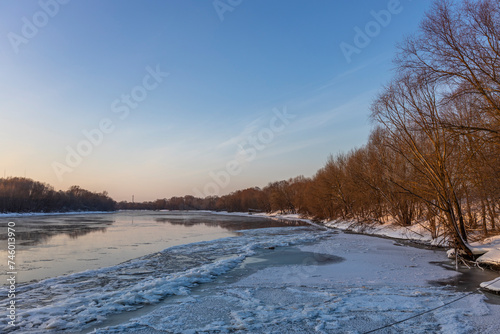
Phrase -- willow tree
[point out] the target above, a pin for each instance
(409, 110)
(458, 47)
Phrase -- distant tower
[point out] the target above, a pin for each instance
(132, 198)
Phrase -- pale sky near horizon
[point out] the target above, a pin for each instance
(157, 99)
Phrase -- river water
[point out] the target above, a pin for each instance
(55, 245)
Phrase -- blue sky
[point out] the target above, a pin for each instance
(178, 95)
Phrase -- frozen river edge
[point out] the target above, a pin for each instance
(374, 287)
(275, 280)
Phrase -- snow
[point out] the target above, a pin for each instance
(491, 257)
(493, 285)
(416, 233)
(419, 233)
(379, 282)
(490, 248)
(68, 303)
(349, 283)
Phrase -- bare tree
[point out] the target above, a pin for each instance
(408, 108)
(458, 47)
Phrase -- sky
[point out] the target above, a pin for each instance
(190, 97)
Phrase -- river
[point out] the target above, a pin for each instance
(151, 272)
(54, 245)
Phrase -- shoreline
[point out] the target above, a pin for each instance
(384, 231)
(415, 234)
(323, 275)
(43, 214)
(346, 283)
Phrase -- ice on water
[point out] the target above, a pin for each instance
(83, 299)
(379, 282)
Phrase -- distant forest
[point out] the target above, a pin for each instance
(433, 156)
(25, 195)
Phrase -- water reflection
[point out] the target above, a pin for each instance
(227, 222)
(31, 232)
(39, 231)
(56, 245)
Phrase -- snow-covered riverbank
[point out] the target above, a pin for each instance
(345, 283)
(489, 248)
(306, 279)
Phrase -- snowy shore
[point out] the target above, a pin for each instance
(489, 248)
(296, 279)
(342, 283)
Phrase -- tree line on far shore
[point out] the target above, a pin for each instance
(21, 195)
